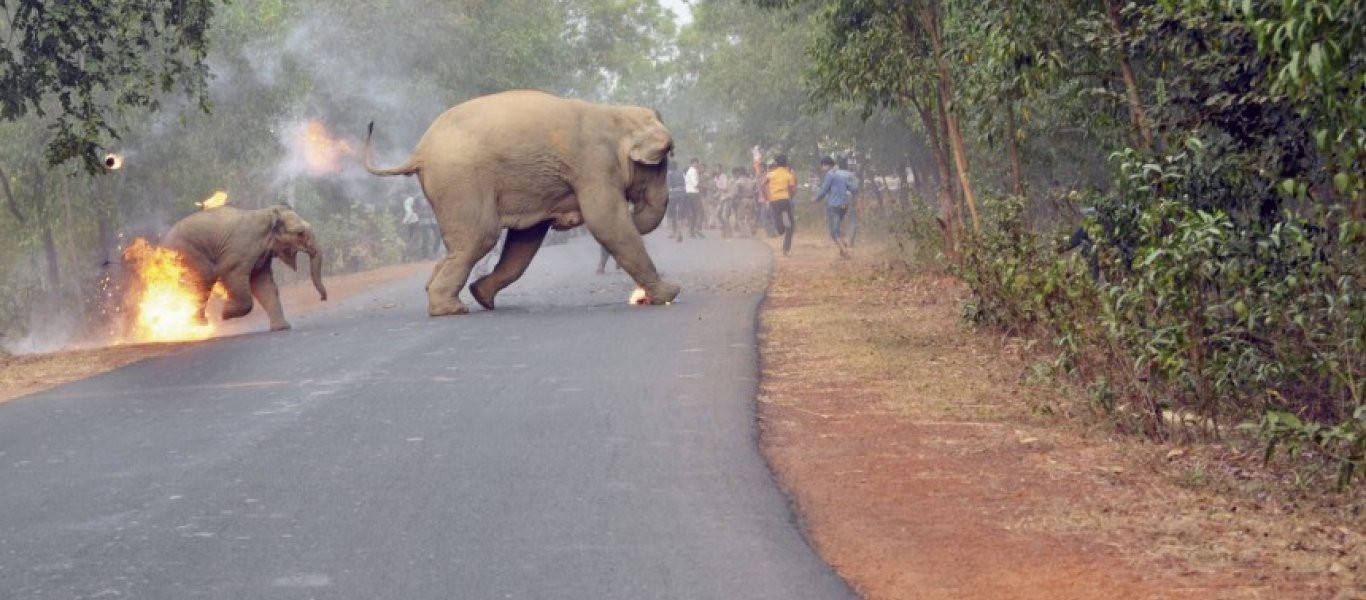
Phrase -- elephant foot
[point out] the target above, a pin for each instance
(445, 309)
(482, 295)
(281, 326)
(662, 293)
(236, 311)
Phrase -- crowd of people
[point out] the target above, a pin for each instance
(740, 201)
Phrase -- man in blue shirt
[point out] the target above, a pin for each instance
(837, 189)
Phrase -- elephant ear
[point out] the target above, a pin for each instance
(651, 144)
(281, 217)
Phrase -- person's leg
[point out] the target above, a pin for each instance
(832, 223)
(699, 215)
(672, 214)
(853, 223)
(602, 259)
(727, 210)
(784, 222)
(791, 227)
(838, 227)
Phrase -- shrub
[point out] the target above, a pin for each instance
(1198, 318)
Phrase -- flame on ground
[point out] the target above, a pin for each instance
(218, 199)
(639, 297)
(164, 301)
(322, 153)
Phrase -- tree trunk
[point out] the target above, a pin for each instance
(952, 185)
(50, 253)
(43, 212)
(903, 191)
(1143, 135)
(949, 221)
(929, 22)
(1013, 149)
(9, 197)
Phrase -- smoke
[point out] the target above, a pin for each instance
(289, 101)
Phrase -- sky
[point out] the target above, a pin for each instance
(681, 10)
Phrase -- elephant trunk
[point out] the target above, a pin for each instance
(650, 211)
(315, 267)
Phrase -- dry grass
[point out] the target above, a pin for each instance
(886, 420)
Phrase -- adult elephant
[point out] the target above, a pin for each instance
(236, 246)
(529, 161)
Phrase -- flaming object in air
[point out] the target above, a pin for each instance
(216, 200)
(113, 161)
(320, 152)
(165, 303)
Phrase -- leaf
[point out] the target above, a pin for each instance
(1342, 182)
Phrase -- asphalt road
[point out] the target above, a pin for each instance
(566, 446)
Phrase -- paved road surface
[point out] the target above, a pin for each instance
(567, 446)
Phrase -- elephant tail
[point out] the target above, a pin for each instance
(407, 168)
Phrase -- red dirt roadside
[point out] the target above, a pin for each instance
(25, 374)
(909, 449)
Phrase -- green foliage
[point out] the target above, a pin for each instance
(1344, 442)
(359, 239)
(80, 64)
(1204, 321)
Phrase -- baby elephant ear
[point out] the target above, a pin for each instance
(651, 145)
(277, 220)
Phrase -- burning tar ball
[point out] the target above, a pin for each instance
(113, 161)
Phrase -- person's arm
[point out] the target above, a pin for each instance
(827, 182)
(791, 185)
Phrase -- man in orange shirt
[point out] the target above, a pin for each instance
(780, 184)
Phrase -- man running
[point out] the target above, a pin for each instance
(780, 184)
(835, 190)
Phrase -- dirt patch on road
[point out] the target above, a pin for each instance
(909, 447)
(25, 374)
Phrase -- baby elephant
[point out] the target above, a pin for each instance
(235, 247)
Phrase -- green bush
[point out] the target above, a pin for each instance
(1200, 318)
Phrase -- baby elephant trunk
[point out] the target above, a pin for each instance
(315, 266)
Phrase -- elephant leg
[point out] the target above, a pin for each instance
(265, 291)
(609, 220)
(466, 244)
(238, 302)
(202, 292)
(518, 250)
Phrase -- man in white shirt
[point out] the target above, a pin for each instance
(692, 181)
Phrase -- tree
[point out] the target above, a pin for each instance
(80, 65)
